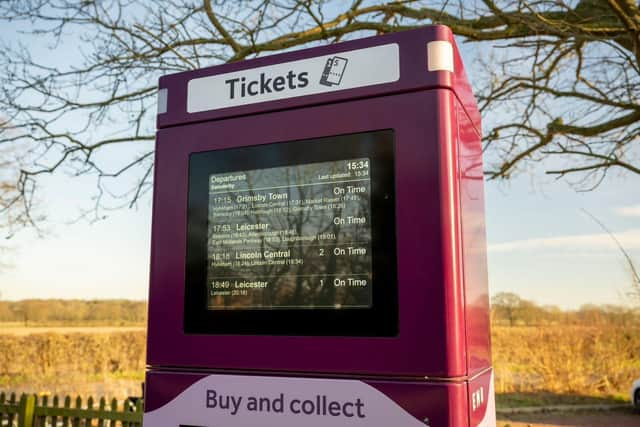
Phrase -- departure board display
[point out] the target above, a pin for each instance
(290, 237)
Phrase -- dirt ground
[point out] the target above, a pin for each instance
(618, 418)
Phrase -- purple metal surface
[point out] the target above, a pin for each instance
(413, 76)
(423, 346)
(473, 244)
(163, 387)
(481, 400)
(440, 230)
(444, 404)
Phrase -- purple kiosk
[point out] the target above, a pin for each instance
(318, 246)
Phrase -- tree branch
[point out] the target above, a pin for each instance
(218, 26)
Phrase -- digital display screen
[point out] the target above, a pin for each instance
(291, 237)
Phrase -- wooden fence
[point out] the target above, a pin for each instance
(34, 411)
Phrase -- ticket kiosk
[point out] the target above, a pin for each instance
(318, 244)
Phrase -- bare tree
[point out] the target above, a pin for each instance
(562, 83)
(634, 273)
(507, 305)
(634, 293)
(15, 210)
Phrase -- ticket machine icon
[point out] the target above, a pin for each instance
(333, 71)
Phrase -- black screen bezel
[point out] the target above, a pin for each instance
(381, 319)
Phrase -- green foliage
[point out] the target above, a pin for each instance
(530, 399)
(32, 410)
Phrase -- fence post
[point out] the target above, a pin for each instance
(26, 411)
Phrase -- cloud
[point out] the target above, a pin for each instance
(633, 211)
(629, 239)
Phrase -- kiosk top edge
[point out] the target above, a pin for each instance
(418, 59)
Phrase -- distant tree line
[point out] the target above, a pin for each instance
(58, 311)
(509, 309)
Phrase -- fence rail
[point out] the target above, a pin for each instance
(34, 411)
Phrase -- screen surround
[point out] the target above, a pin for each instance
(372, 310)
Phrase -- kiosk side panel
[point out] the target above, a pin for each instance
(464, 91)
(449, 207)
(474, 256)
(482, 401)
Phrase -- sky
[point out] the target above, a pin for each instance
(541, 243)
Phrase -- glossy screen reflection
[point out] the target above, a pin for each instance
(291, 237)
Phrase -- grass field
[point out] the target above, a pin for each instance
(100, 361)
(533, 365)
(566, 360)
(20, 330)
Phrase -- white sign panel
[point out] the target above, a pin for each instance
(242, 401)
(329, 73)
